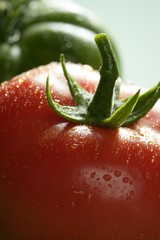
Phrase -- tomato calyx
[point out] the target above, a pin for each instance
(104, 108)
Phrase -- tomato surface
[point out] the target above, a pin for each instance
(63, 181)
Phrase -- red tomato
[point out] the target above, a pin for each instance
(62, 181)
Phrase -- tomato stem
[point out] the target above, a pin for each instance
(102, 102)
(104, 108)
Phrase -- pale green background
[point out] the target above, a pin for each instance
(135, 27)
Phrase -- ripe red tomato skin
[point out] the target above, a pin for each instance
(74, 182)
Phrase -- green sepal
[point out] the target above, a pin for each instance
(71, 113)
(123, 112)
(144, 104)
(79, 94)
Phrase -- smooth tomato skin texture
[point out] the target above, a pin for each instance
(64, 181)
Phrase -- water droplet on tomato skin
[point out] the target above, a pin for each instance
(89, 197)
(132, 193)
(147, 175)
(132, 137)
(125, 179)
(92, 174)
(153, 159)
(75, 146)
(117, 173)
(108, 183)
(78, 192)
(131, 182)
(127, 161)
(107, 177)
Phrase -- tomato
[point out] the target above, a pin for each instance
(66, 181)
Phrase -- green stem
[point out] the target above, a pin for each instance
(102, 102)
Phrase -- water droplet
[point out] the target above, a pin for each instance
(57, 100)
(127, 161)
(110, 185)
(132, 193)
(92, 174)
(125, 179)
(153, 159)
(117, 173)
(140, 132)
(130, 182)
(107, 177)
(74, 146)
(78, 192)
(89, 197)
(132, 137)
(147, 175)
